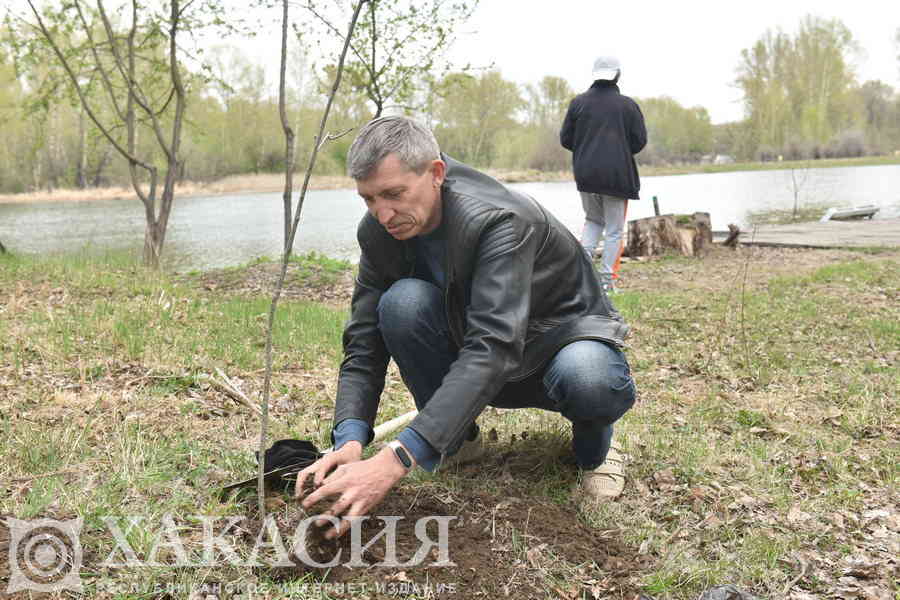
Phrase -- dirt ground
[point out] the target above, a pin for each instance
(501, 545)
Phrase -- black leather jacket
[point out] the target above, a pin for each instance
(519, 287)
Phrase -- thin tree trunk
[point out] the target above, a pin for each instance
(97, 179)
(152, 246)
(81, 169)
(319, 142)
(288, 134)
(2, 248)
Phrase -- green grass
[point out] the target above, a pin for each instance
(133, 314)
(804, 214)
(104, 410)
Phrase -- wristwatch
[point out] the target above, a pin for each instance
(401, 454)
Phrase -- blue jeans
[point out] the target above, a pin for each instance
(588, 382)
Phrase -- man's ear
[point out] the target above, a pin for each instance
(438, 172)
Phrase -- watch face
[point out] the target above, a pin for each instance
(403, 457)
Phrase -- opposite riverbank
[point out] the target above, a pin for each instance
(274, 182)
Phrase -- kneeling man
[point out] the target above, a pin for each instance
(482, 298)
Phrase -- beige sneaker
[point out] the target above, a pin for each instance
(470, 451)
(607, 481)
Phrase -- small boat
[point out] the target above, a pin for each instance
(845, 214)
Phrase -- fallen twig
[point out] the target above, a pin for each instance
(804, 566)
(231, 390)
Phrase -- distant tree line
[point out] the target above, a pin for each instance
(801, 98)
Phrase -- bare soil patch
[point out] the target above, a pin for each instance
(301, 282)
(500, 544)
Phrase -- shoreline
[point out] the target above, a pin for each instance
(274, 182)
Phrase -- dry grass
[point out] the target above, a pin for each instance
(763, 451)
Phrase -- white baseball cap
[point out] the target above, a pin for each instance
(606, 67)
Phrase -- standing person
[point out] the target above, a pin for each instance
(604, 130)
(482, 298)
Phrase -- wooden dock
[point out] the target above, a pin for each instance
(882, 233)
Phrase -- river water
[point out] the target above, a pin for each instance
(217, 231)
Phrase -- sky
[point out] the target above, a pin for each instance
(688, 50)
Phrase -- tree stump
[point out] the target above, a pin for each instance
(689, 235)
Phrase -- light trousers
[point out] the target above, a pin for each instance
(604, 216)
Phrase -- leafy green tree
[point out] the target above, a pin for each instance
(880, 120)
(11, 125)
(548, 101)
(675, 133)
(249, 132)
(43, 107)
(897, 45)
(798, 90)
(473, 112)
(545, 108)
(762, 74)
(821, 78)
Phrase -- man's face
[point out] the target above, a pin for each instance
(405, 203)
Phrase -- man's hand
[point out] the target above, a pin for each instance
(359, 485)
(348, 453)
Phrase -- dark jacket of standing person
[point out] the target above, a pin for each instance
(519, 287)
(604, 130)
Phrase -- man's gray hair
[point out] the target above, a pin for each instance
(412, 142)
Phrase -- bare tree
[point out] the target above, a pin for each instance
(114, 57)
(799, 178)
(396, 44)
(291, 226)
(288, 131)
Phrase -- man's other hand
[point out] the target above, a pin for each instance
(348, 453)
(359, 485)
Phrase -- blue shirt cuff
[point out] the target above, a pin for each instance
(351, 430)
(426, 456)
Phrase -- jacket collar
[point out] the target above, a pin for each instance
(603, 85)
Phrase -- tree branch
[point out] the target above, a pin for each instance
(339, 33)
(133, 87)
(87, 108)
(103, 74)
(288, 132)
